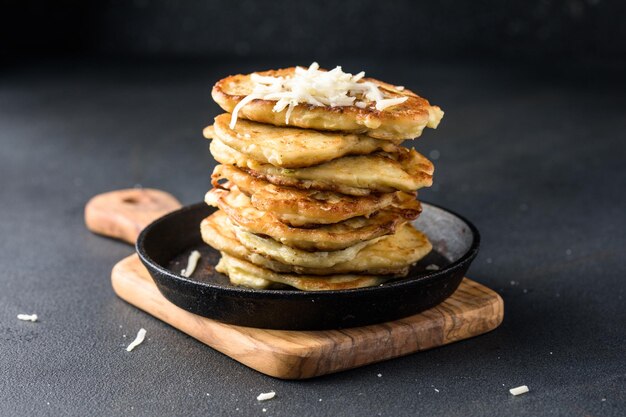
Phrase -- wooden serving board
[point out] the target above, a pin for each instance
(472, 310)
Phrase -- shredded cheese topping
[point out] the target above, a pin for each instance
(319, 88)
(27, 317)
(141, 335)
(192, 262)
(266, 396)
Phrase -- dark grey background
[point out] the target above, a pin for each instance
(531, 149)
(535, 30)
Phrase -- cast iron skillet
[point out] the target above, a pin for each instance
(165, 244)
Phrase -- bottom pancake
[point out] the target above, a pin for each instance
(246, 274)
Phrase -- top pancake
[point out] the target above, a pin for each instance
(290, 147)
(403, 121)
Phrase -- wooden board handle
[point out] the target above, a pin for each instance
(123, 214)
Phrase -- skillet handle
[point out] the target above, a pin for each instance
(123, 214)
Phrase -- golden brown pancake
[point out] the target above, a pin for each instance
(219, 232)
(302, 208)
(361, 175)
(331, 237)
(246, 274)
(403, 121)
(391, 254)
(290, 147)
(388, 255)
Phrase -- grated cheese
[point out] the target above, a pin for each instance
(27, 317)
(333, 88)
(266, 396)
(519, 390)
(141, 335)
(383, 104)
(432, 267)
(192, 262)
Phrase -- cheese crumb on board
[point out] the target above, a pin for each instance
(141, 335)
(27, 317)
(519, 390)
(192, 262)
(266, 396)
(333, 88)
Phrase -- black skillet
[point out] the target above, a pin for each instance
(164, 245)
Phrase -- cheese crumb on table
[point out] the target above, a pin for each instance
(519, 390)
(192, 262)
(141, 335)
(27, 317)
(266, 396)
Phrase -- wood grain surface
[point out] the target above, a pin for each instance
(123, 214)
(472, 310)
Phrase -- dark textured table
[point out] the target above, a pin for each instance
(535, 159)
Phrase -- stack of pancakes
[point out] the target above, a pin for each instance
(322, 200)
